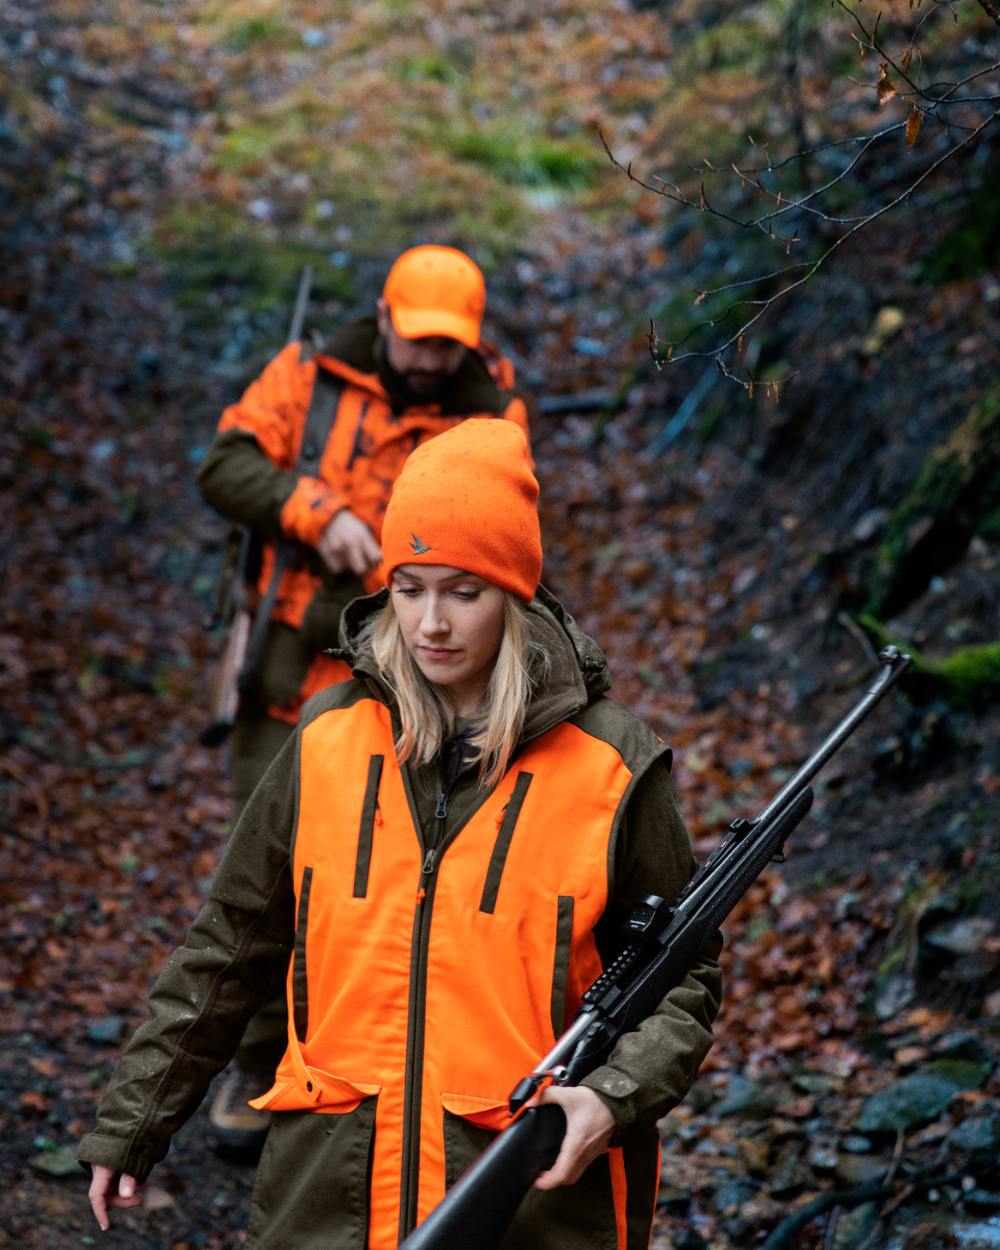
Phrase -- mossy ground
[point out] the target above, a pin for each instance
(969, 676)
(956, 495)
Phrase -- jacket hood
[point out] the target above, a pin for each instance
(576, 674)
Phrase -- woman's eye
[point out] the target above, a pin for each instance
(409, 591)
(466, 594)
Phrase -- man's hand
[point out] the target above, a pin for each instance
(111, 1189)
(589, 1128)
(347, 543)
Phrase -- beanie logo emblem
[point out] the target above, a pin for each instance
(418, 546)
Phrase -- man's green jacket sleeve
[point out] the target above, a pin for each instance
(234, 958)
(237, 479)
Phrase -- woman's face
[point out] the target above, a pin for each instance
(452, 624)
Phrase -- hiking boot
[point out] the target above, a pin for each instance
(238, 1131)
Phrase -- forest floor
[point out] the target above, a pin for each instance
(861, 1030)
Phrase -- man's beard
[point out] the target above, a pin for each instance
(412, 387)
(426, 384)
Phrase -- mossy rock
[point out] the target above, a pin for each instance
(969, 676)
(956, 495)
(963, 1074)
(915, 1100)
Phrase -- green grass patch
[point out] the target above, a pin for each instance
(248, 147)
(215, 259)
(520, 158)
(257, 29)
(433, 67)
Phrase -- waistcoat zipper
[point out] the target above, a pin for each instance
(421, 928)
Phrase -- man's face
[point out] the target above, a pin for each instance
(424, 363)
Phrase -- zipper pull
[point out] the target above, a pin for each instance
(426, 868)
(441, 811)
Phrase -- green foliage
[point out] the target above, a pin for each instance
(734, 44)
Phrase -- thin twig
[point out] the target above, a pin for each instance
(792, 286)
(848, 622)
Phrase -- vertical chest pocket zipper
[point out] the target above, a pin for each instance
(505, 834)
(560, 965)
(366, 830)
(300, 977)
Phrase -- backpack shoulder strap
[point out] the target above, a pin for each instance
(323, 406)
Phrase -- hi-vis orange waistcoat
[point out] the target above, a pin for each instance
(433, 980)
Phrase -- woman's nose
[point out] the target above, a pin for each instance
(434, 620)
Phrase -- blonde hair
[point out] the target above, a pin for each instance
(425, 712)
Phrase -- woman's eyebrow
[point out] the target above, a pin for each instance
(459, 576)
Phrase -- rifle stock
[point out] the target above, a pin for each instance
(484, 1199)
(224, 698)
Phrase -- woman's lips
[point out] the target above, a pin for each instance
(438, 653)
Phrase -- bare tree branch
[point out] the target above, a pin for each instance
(990, 10)
(960, 123)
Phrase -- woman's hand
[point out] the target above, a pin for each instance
(111, 1189)
(589, 1128)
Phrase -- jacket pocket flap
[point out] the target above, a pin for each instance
(321, 1092)
(483, 1112)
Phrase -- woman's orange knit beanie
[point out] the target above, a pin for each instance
(468, 499)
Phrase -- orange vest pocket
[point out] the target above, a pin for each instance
(482, 1112)
(332, 1095)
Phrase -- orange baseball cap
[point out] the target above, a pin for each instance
(435, 290)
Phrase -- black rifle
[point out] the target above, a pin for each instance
(664, 941)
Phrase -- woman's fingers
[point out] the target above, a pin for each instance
(111, 1189)
(589, 1128)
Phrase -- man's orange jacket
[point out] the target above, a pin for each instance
(249, 474)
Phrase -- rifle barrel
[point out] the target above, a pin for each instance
(301, 303)
(894, 664)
